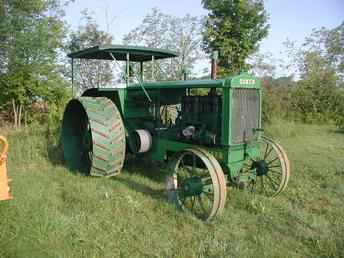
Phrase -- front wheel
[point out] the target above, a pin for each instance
(197, 183)
(271, 169)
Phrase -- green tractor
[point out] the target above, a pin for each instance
(207, 131)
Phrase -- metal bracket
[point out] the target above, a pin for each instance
(137, 78)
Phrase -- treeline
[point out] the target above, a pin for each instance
(35, 73)
(317, 96)
(33, 85)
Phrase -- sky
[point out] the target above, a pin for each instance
(288, 18)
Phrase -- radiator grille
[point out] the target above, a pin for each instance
(245, 112)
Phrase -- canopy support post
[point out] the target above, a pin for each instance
(141, 71)
(127, 77)
(127, 68)
(153, 66)
(72, 77)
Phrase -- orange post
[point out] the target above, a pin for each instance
(4, 187)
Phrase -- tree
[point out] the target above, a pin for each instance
(90, 73)
(315, 95)
(329, 44)
(181, 34)
(263, 65)
(32, 33)
(335, 49)
(235, 28)
(319, 65)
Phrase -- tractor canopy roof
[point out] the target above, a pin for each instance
(136, 53)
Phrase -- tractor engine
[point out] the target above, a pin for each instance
(200, 120)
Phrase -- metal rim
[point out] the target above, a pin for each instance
(221, 178)
(271, 169)
(286, 161)
(198, 184)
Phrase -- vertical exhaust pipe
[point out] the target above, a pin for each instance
(214, 68)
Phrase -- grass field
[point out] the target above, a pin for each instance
(56, 213)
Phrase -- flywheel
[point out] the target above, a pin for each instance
(93, 136)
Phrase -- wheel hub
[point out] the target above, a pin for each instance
(261, 167)
(192, 186)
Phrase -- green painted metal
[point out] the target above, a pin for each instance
(193, 186)
(137, 54)
(139, 113)
(190, 84)
(217, 120)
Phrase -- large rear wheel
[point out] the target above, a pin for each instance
(93, 136)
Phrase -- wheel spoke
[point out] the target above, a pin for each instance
(266, 150)
(273, 179)
(182, 199)
(189, 171)
(253, 185)
(209, 195)
(199, 199)
(271, 183)
(271, 161)
(277, 166)
(262, 184)
(193, 163)
(276, 171)
(192, 203)
(182, 162)
(268, 153)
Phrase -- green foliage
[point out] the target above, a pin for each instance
(235, 28)
(181, 34)
(315, 97)
(56, 213)
(32, 35)
(339, 109)
(90, 73)
(277, 98)
(329, 44)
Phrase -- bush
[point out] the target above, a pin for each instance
(311, 100)
(276, 103)
(339, 110)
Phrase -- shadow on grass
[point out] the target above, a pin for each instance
(158, 194)
(133, 165)
(54, 147)
(145, 167)
(339, 130)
